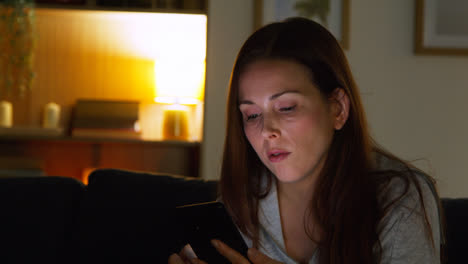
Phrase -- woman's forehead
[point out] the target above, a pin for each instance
(274, 76)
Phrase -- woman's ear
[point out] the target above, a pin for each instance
(340, 107)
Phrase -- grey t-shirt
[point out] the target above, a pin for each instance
(403, 235)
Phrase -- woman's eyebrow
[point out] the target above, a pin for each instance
(273, 97)
(281, 93)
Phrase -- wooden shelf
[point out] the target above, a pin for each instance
(73, 157)
(35, 132)
(58, 134)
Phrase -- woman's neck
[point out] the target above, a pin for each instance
(299, 192)
(293, 201)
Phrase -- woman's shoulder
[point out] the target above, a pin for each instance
(411, 212)
(403, 182)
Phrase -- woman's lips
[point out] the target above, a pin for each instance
(277, 156)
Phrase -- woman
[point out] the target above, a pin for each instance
(301, 176)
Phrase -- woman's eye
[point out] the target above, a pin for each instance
(251, 117)
(287, 109)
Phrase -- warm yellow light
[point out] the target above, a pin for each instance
(142, 35)
(179, 67)
(176, 42)
(154, 35)
(179, 80)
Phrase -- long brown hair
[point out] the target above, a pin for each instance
(346, 204)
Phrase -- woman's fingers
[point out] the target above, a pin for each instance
(233, 256)
(197, 261)
(175, 259)
(229, 253)
(185, 256)
(258, 257)
(187, 253)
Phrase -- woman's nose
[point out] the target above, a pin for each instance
(270, 129)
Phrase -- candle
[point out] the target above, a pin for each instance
(175, 125)
(6, 114)
(51, 116)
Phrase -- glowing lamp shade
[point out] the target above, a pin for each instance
(179, 80)
(179, 67)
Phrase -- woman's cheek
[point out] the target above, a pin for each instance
(248, 131)
(251, 132)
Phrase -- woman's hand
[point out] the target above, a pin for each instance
(255, 256)
(184, 257)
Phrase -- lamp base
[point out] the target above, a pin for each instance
(175, 123)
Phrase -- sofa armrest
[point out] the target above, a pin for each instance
(38, 215)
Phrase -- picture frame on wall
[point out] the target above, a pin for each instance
(441, 27)
(333, 14)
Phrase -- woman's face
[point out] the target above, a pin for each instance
(287, 121)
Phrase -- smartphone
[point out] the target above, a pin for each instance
(206, 221)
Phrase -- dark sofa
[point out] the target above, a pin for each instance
(122, 217)
(119, 217)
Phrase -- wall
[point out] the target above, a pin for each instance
(229, 24)
(415, 104)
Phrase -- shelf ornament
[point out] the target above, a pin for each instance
(17, 39)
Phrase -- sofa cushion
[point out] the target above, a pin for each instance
(37, 218)
(126, 216)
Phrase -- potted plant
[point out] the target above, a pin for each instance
(16, 46)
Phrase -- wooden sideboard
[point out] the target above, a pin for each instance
(75, 157)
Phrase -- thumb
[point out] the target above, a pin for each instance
(258, 257)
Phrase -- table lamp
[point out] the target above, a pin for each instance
(179, 85)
